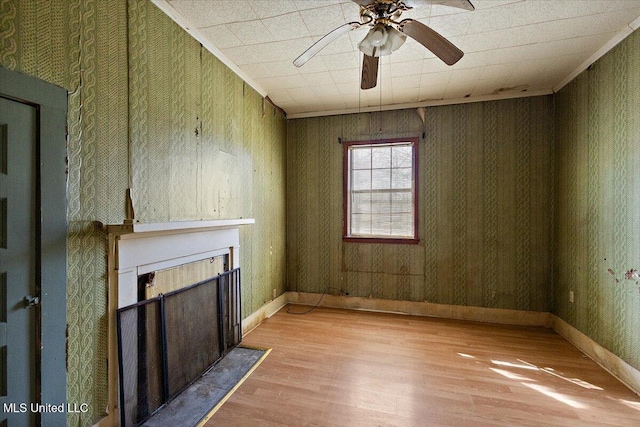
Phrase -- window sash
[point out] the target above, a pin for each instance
(381, 190)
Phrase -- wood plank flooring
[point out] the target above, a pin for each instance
(336, 367)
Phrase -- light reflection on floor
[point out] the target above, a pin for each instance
(547, 391)
(508, 369)
(630, 404)
(511, 375)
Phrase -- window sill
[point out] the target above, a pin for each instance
(392, 240)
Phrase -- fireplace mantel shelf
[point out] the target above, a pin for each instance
(176, 226)
(140, 248)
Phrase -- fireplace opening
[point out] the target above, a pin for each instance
(170, 279)
(169, 340)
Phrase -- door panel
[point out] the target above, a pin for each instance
(18, 263)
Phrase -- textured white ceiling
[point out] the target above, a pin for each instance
(512, 48)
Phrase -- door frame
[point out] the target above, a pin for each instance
(50, 103)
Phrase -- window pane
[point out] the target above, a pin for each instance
(402, 202)
(361, 158)
(402, 156)
(361, 180)
(381, 203)
(381, 225)
(401, 178)
(402, 224)
(381, 179)
(360, 203)
(360, 224)
(381, 157)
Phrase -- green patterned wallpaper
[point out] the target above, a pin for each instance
(598, 201)
(161, 116)
(485, 218)
(179, 128)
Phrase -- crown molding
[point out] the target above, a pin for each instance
(169, 10)
(613, 42)
(429, 103)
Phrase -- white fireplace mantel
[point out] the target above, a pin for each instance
(177, 226)
(140, 248)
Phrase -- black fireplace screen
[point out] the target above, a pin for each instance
(167, 342)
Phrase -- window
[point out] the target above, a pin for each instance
(380, 191)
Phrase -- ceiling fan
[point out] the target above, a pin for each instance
(387, 34)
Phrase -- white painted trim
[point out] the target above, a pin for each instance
(174, 227)
(263, 313)
(190, 225)
(431, 103)
(625, 373)
(141, 250)
(166, 7)
(623, 34)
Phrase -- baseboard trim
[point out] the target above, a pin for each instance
(423, 308)
(625, 373)
(263, 313)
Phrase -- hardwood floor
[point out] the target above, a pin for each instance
(345, 368)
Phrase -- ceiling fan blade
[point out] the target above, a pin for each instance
(433, 41)
(364, 3)
(323, 42)
(460, 4)
(369, 72)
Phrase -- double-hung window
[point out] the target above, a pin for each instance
(380, 191)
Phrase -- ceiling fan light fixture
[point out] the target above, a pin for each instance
(381, 40)
(374, 40)
(395, 39)
(378, 36)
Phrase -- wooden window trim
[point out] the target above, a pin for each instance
(345, 193)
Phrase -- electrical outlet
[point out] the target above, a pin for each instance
(274, 293)
(571, 297)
